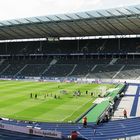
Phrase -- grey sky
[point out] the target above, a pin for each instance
(12, 9)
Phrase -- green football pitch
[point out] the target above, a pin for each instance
(16, 101)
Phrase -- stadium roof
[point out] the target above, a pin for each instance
(119, 21)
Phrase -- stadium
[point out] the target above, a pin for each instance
(56, 70)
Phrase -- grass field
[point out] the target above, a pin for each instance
(16, 103)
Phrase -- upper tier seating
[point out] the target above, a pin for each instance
(72, 46)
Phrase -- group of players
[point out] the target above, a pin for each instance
(75, 93)
(35, 96)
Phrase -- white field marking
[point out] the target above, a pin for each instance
(118, 72)
(76, 110)
(138, 108)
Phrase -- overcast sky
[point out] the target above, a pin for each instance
(13, 9)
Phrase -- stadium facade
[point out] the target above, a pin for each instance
(58, 53)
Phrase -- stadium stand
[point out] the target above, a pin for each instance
(91, 68)
(129, 72)
(33, 70)
(102, 58)
(60, 70)
(35, 65)
(81, 71)
(104, 71)
(132, 45)
(123, 128)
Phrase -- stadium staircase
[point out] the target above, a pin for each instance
(72, 70)
(21, 70)
(53, 62)
(91, 70)
(118, 71)
(1, 61)
(138, 78)
(5, 69)
(113, 61)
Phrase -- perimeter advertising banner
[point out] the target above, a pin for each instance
(31, 131)
(45, 133)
